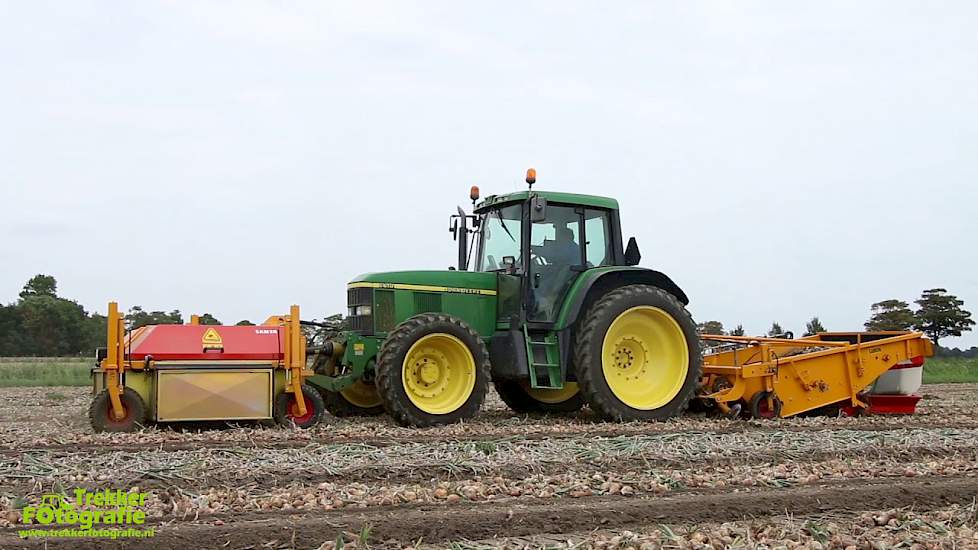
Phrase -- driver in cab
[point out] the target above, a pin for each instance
(563, 250)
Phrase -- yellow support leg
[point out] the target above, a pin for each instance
(296, 358)
(115, 361)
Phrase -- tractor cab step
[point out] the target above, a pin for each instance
(543, 357)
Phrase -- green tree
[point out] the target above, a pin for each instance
(11, 332)
(941, 315)
(244, 323)
(96, 328)
(739, 331)
(40, 285)
(333, 325)
(52, 326)
(137, 317)
(813, 327)
(776, 330)
(710, 327)
(208, 319)
(890, 315)
(41, 323)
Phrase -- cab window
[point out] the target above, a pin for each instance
(597, 230)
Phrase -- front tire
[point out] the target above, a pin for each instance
(638, 355)
(432, 369)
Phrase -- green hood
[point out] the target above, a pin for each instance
(440, 280)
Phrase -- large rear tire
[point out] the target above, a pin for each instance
(638, 355)
(522, 399)
(432, 369)
(101, 417)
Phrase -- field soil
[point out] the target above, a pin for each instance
(512, 481)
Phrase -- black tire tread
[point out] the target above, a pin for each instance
(755, 406)
(604, 403)
(99, 407)
(398, 342)
(338, 406)
(311, 394)
(519, 401)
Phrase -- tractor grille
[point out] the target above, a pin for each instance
(384, 310)
(427, 302)
(359, 300)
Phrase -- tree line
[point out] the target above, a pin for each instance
(42, 324)
(938, 315)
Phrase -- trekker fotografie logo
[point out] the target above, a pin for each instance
(108, 513)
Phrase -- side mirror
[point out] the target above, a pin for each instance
(538, 209)
(509, 261)
(632, 255)
(453, 229)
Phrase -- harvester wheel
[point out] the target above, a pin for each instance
(287, 408)
(760, 408)
(101, 417)
(432, 369)
(521, 398)
(637, 355)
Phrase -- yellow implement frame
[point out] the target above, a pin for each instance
(115, 363)
(808, 373)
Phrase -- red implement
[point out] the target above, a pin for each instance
(205, 342)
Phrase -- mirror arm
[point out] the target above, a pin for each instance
(463, 241)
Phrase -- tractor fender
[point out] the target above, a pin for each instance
(597, 282)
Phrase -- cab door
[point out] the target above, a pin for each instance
(568, 241)
(556, 258)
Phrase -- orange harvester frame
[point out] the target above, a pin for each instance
(830, 368)
(116, 362)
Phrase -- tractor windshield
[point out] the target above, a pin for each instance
(499, 237)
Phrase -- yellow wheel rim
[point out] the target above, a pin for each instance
(552, 397)
(362, 394)
(645, 358)
(438, 373)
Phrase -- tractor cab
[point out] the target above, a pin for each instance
(545, 240)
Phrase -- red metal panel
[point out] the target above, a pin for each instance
(186, 342)
(887, 404)
(892, 404)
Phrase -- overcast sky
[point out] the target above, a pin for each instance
(779, 160)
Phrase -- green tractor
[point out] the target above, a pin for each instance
(547, 304)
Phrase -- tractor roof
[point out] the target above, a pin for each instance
(551, 196)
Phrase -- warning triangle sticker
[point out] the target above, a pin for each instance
(212, 339)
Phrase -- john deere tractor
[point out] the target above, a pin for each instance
(546, 303)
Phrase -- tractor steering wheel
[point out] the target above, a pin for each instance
(536, 258)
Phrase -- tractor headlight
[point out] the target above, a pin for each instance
(359, 302)
(357, 311)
